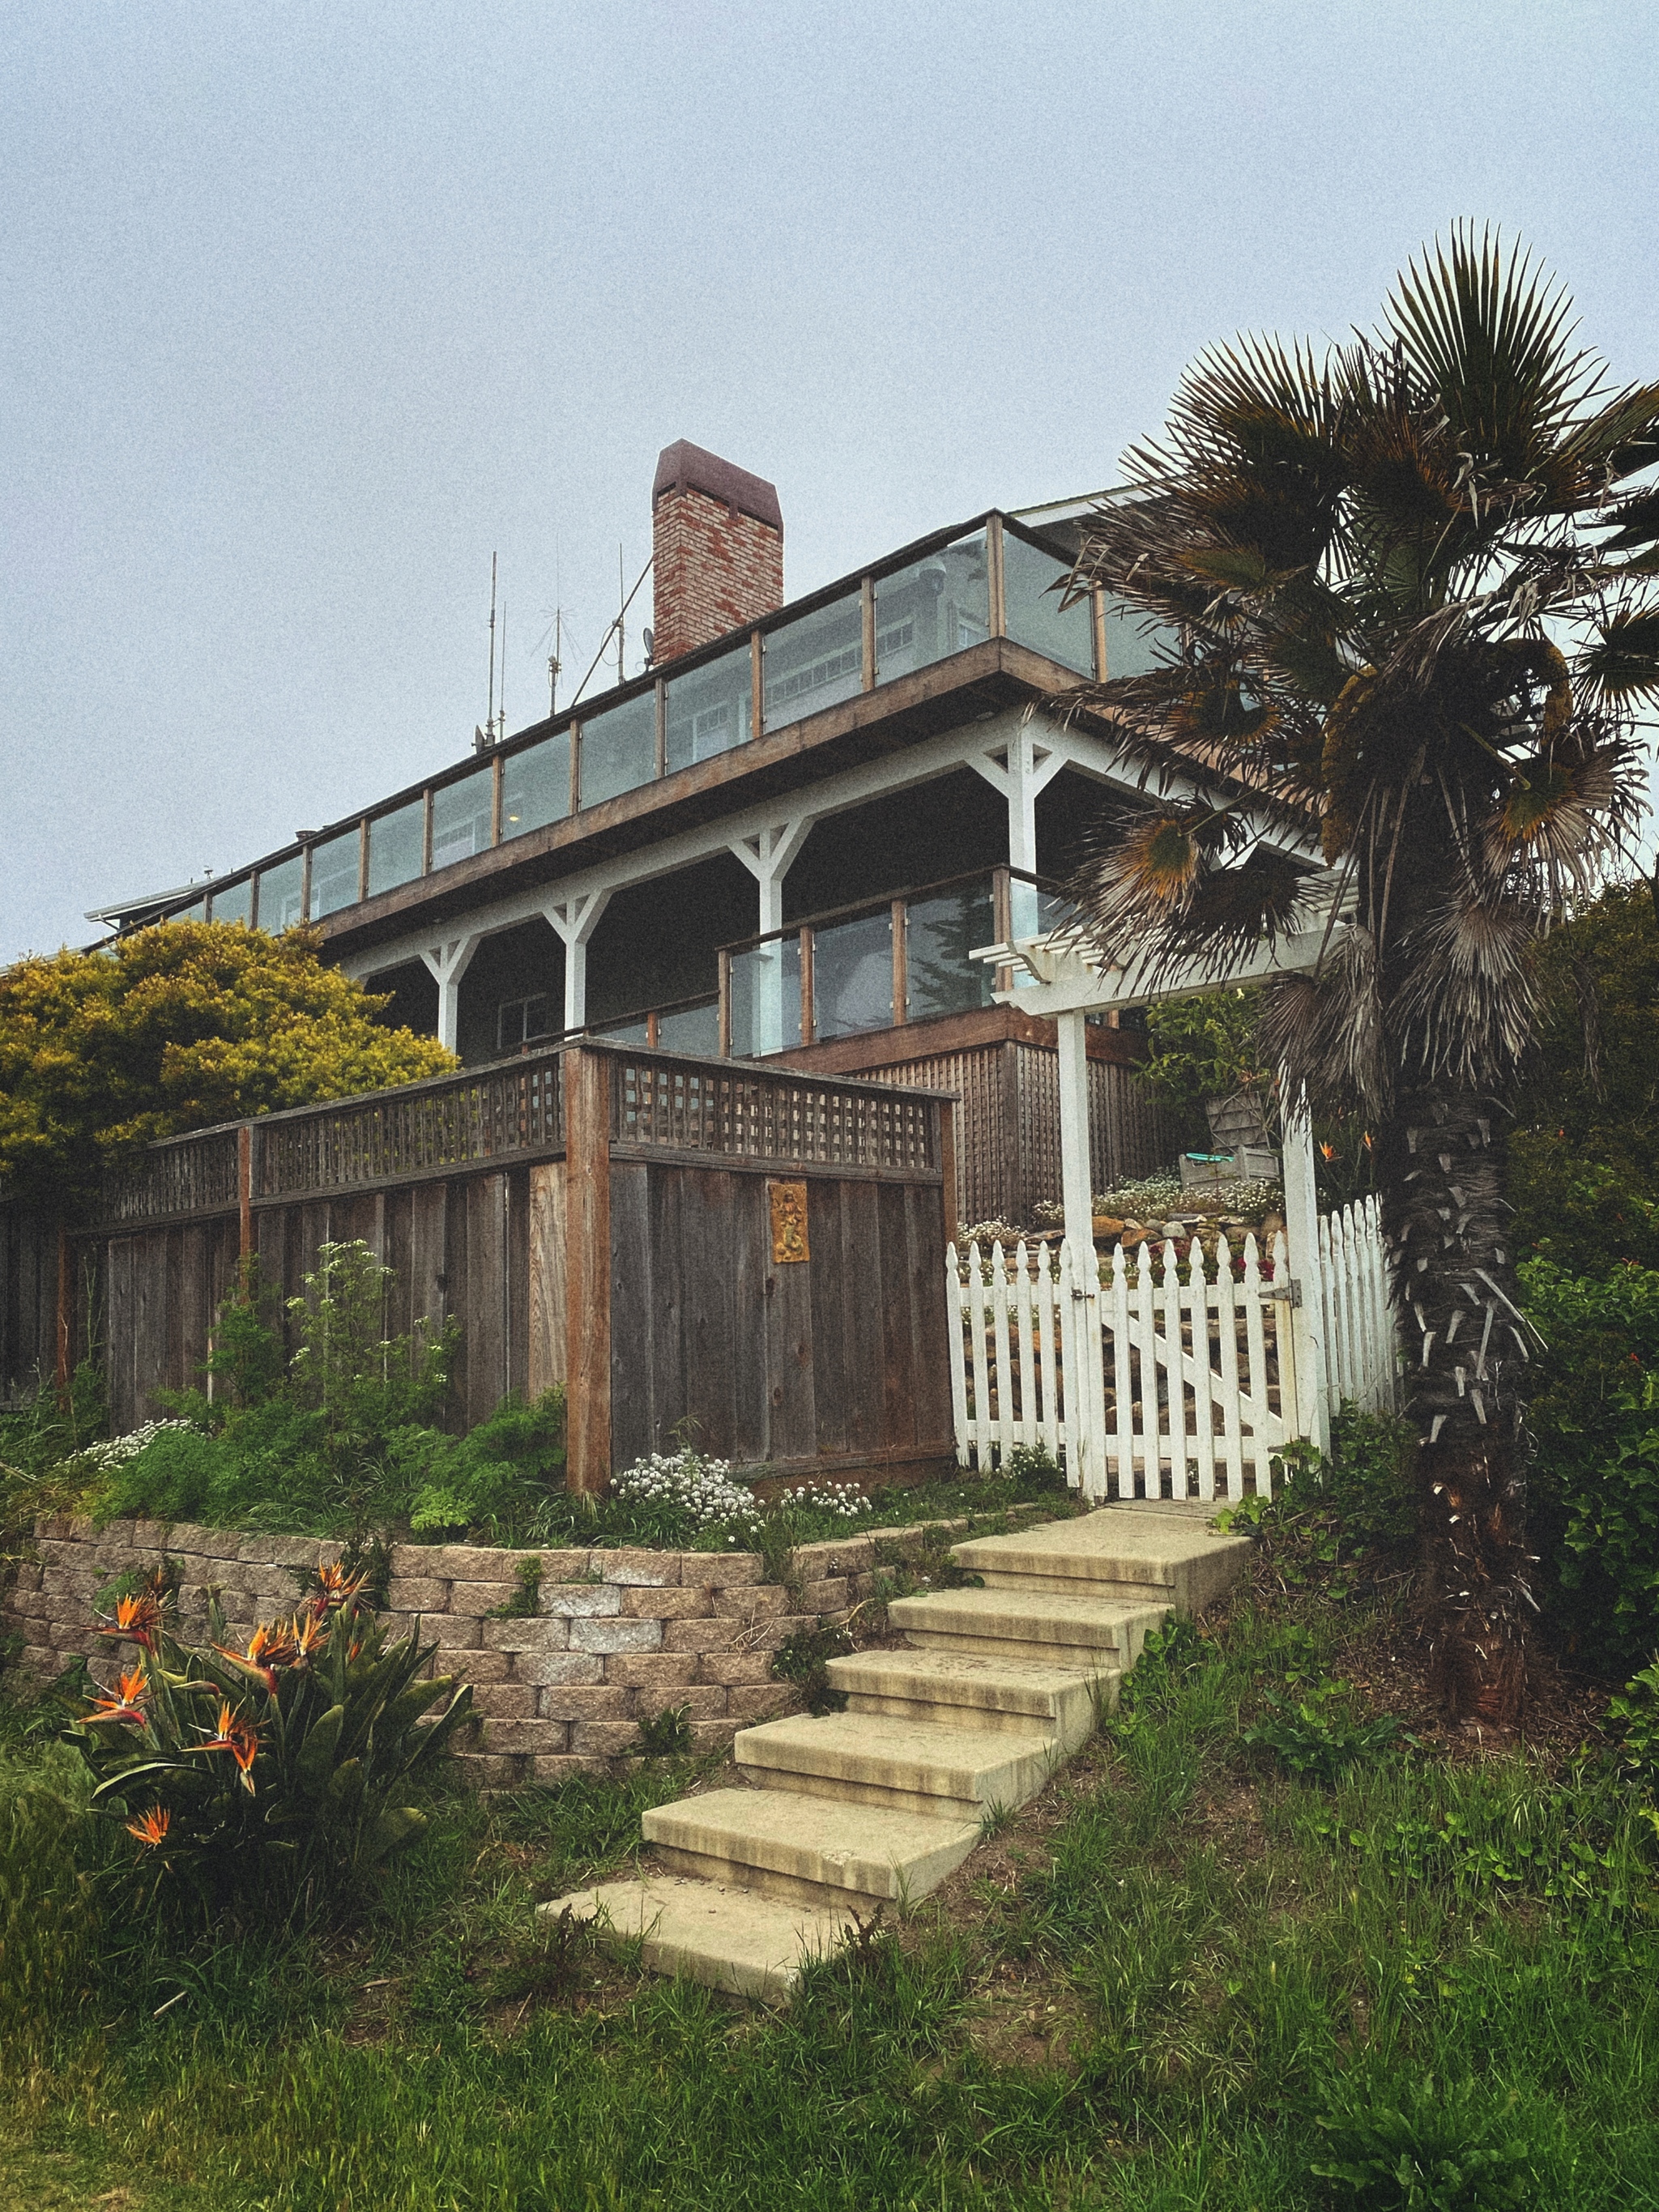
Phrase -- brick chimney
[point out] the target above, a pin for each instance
(717, 548)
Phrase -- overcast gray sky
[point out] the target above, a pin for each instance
(308, 308)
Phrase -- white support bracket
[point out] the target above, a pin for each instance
(1021, 770)
(768, 854)
(447, 963)
(576, 917)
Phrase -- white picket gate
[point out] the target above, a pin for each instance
(1167, 1374)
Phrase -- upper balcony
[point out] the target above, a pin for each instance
(879, 658)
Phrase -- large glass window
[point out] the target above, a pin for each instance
(461, 815)
(710, 709)
(279, 888)
(692, 1028)
(334, 874)
(619, 749)
(814, 662)
(766, 997)
(853, 975)
(234, 902)
(934, 608)
(520, 1021)
(396, 844)
(1036, 617)
(942, 931)
(536, 785)
(1132, 644)
(196, 913)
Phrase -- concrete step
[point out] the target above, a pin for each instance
(1121, 1551)
(965, 1690)
(912, 1766)
(1068, 1626)
(730, 1938)
(809, 1849)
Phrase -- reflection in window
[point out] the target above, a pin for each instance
(931, 608)
(234, 902)
(196, 913)
(334, 874)
(710, 709)
(692, 1028)
(520, 1021)
(852, 977)
(942, 931)
(461, 814)
(1036, 617)
(619, 750)
(395, 847)
(815, 662)
(535, 786)
(1133, 640)
(634, 1032)
(280, 891)
(766, 997)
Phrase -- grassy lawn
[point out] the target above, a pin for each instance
(1173, 1981)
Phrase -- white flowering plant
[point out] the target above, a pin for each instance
(104, 1458)
(674, 1498)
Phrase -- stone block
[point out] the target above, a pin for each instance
(551, 1769)
(413, 1593)
(535, 1736)
(523, 1635)
(853, 1555)
(72, 1637)
(715, 1635)
(483, 1770)
(26, 1576)
(280, 1551)
(475, 1666)
(718, 1570)
(766, 1635)
(199, 1542)
(714, 1735)
(633, 1566)
(482, 1597)
(113, 1532)
(598, 1701)
(605, 1739)
(755, 1601)
(151, 1536)
(562, 1566)
(453, 1632)
(272, 1586)
(828, 1596)
(541, 1667)
(651, 1670)
(620, 1635)
(761, 1701)
(506, 1701)
(671, 1603)
(39, 1659)
(474, 1562)
(78, 1582)
(736, 1667)
(704, 1701)
(580, 1601)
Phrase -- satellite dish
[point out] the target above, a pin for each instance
(650, 649)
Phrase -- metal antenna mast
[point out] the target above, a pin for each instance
(489, 719)
(623, 598)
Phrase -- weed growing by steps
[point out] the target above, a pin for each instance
(803, 1658)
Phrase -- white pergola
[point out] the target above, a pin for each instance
(1061, 978)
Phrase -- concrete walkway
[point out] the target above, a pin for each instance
(878, 1804)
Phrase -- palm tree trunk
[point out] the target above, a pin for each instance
(1440, 1174)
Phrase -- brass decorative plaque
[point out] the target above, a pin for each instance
(788, 1222)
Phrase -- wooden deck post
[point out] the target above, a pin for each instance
(588, 1250)
(245, 1194)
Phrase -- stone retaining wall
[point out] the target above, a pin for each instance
(616, 1636)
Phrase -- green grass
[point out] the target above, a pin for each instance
(1148, 1991)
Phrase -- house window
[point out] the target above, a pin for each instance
(519, 1021)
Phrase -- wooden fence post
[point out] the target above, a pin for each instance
(64, 1316)
(588, 1259)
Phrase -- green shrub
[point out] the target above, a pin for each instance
(667, 1733)
(48, 1907)
(1424, 2146)
(1312, 1732)
(1594, 1495)
(1635, 1717)
(276, 1775)
(803, 1658)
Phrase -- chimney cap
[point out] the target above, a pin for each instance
(685, 467)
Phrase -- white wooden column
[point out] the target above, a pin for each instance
(1021, 771)
(447, 963)
(1076, 1184)
(768, 855)
(576, 916)
(1301, 1236)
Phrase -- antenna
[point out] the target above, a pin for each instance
(553, 663)
(482, 740)
(621, 601)
(500, 719)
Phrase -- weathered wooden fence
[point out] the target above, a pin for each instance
(749, 1256)
(1170, 1373)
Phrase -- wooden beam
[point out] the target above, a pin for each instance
(244, 1192)
(947, 1110)
(587, 1269)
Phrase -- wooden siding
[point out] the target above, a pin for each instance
(28, 1301)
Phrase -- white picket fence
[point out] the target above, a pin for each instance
(1164, 1374)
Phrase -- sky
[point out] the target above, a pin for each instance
(306, 311)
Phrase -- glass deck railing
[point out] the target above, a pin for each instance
(878, 964)
(993, 580)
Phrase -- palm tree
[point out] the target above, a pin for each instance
(1412, 580)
